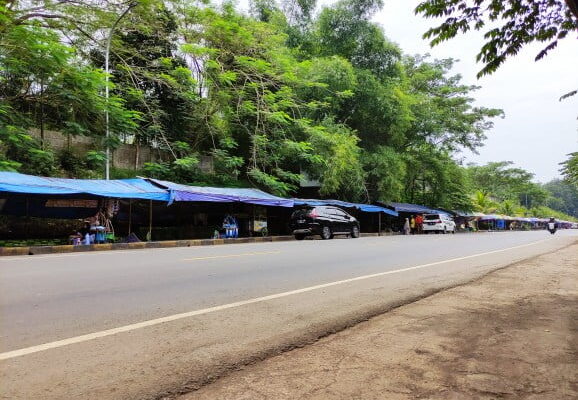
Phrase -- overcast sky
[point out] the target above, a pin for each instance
(538, 130)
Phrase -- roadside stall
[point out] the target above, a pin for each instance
(408, 210)
(491, 222)
(89, 205)
(467, 221)
(203, 211)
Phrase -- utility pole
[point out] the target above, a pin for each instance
(106, 91)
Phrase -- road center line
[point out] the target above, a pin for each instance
(257, 253)
(175, 317)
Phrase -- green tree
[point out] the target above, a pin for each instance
(444, 114)
(508, 183)
(570, 168)
(483, 202)
(44, 84)
(563, 196)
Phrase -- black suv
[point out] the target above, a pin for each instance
(325, 221)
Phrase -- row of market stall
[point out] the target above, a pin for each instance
(506, 222)
(154, 209)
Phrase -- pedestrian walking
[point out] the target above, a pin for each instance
(406, 228)
(412, 225)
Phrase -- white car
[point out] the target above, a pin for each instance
(438, 223)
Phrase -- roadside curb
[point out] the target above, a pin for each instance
(37, 250)
(165, 244)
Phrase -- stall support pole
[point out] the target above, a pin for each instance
(150, 234)
(27, 218)
(379, 223)
(129, 217)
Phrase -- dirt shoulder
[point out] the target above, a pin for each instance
(512, 334)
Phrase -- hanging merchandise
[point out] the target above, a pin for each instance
(111, 207)
(231, 227)
(103, 226)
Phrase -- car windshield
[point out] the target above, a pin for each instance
(432, 217)
(301, 213)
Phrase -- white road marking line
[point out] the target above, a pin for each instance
(257, 253)
(175, 317)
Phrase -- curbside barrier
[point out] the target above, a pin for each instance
(14, 251)
(165, 244)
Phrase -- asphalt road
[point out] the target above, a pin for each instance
(137, 324)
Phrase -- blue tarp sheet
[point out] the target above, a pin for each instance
(492, 217)
(414, 209)
(13, 182)
(180, 192)
(344, 204)
(373, 208)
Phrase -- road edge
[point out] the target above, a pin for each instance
(223, 371)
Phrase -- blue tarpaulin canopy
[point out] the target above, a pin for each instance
(344, 204)
(180, 192)
(414, 209)
(491, 217)
(16, 183)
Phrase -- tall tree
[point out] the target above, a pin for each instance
(505, 182)
(563, 196)
(44, 84)
(570, 168)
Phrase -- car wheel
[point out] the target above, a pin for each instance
(326, 233)
(299, 236)
(355, 232)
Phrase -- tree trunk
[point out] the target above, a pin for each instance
(137, 155)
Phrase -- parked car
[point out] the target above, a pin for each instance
(439, 223)
(325, 221)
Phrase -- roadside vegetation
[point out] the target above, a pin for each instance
(288, 91)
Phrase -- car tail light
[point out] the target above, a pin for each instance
(313, 214)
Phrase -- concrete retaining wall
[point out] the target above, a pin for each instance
(124, 156)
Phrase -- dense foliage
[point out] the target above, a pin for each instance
(570, 169)
(271, 97)
(501, 188)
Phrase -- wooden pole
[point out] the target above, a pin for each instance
(379, 222)
(27, 218)
(150, 234)
(129, 217)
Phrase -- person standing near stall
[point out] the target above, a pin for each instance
(85, 233)
(419, 223)
(412, 225)
(406, 227)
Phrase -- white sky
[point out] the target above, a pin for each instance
(538, 130)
